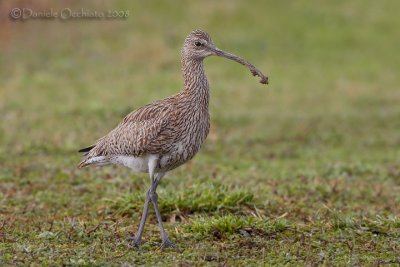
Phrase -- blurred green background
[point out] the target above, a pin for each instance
(318, 147)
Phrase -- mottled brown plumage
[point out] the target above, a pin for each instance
(167, 133)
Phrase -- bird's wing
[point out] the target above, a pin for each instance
(135, 133)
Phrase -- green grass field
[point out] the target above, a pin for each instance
(304, 171)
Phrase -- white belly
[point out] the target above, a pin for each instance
(139, 164)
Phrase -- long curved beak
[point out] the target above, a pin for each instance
(252, 68)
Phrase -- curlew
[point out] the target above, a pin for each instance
(163, 135)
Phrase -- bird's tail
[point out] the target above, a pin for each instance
(83, 164)
(98, 161)
(86, 150)
(91, 159)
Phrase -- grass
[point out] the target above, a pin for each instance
(305, 171)
(208, 197)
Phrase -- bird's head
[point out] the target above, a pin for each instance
(198, 45)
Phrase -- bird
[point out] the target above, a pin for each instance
(167, 133)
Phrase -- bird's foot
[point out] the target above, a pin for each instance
(134, 242)
(167, 243)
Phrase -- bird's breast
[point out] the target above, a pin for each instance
(190, 134)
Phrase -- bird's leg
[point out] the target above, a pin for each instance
(137, 239)
(166, 242)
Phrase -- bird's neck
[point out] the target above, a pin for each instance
(196, 85)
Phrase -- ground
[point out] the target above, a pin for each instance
(304, 171)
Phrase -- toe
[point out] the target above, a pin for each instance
(167, 244)
(130, 238)
(133, 242)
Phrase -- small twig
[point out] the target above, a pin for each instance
(252, 68)
(93, 229)
(51, 226)
(257, 212)
(121, 255)
(3, 224)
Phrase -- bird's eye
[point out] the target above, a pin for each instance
(198, 43)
